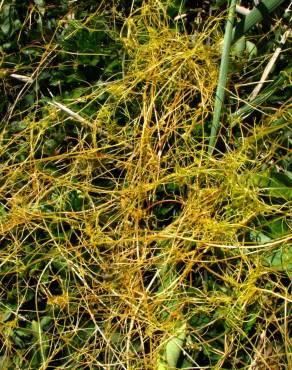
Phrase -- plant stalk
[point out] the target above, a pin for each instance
(220, 93)
(255, 16)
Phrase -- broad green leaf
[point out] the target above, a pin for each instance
(277, 185)
(238, 47)
(259, 237)
(174, 345)
(278, 228)
(45, 322)
(280, 259)
(173, 350)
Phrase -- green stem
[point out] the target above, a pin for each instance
(231, 35)
(256, 15)
(220, 93)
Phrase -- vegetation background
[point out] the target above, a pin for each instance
(125, 242)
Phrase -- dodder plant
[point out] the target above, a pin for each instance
(124, 245)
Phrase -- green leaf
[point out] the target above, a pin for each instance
(280, 259)
(164, 210)
(238, 47)
(17, 340)
(277, 185)
(278, 228)
(41, 354)
(251, 50)
(284, 177)
(174, 346)
(36, 329)
(23, 333)
(45, 322)
(161, 364)
(113, 66)
(75, 200)
(3, 211)
(5, 20)
(39, 2)
(5, 27)
(49, 146)
(249, 324)
(259, 237)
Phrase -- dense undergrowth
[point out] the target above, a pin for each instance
(124, 245)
